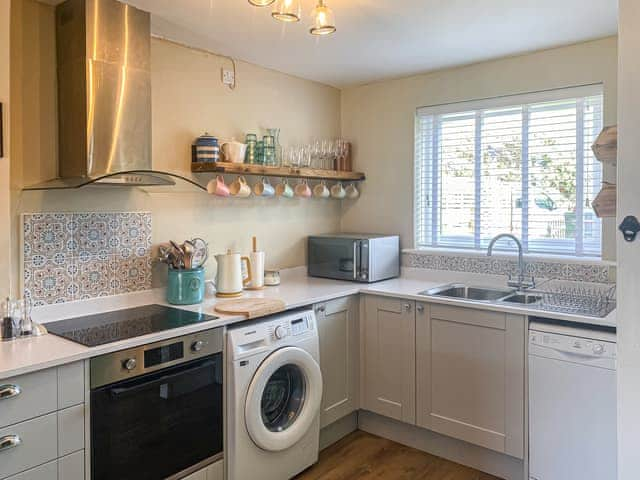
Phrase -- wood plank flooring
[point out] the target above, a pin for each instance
(362, 456)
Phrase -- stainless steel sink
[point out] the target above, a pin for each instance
(467, 292)
(522, 298)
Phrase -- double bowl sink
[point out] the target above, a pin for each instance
(481, 294)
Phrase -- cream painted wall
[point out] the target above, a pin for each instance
(5, 232)
(188, 98)
(379, 120)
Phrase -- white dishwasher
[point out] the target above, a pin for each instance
(572, 402)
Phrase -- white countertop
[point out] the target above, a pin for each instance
(297, 290)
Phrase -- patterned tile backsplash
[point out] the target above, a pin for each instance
(548, 269)
(75, 256)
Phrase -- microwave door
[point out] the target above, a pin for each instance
(333, 258)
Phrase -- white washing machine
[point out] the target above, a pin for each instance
(274, 388)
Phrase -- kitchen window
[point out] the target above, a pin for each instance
(519, 164)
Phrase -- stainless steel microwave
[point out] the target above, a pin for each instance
(355, 257)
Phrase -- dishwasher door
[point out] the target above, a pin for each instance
(572, 408)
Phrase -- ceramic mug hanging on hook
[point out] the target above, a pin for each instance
(264, 188)
(351, 191)
(217, 187)
(283, 189)
(302, 189)
(240, 188)
(321, 190)
(338, 191)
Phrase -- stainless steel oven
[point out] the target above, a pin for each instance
(355, 257)
(156, 410)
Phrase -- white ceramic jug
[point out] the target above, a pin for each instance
(234, 151)
(229, 279)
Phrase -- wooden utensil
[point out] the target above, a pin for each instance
(251, 307)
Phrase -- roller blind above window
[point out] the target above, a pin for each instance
(520, 164)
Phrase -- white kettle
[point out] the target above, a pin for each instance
(229, 280)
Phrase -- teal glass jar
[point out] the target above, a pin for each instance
(185, 287)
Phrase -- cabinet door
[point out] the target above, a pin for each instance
(71, 467)
(470, 375)
(339, 356)
(215, 471)
(388, 355)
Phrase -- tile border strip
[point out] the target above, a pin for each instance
(548, 269)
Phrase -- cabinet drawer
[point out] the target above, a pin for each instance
(469, 316)
(48, 471)
(28, 396)
(38, 444)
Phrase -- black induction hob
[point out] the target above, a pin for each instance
(101, 328)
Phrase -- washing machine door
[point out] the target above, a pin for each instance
(283, 399)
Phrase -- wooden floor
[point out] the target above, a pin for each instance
(363, 456)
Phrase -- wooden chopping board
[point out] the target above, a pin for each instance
(250, 307)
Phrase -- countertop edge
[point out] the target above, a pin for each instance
(395, 288)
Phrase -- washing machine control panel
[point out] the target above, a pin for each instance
(299, 326)
(296, 327)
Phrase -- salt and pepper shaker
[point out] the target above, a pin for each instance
(16, 320)
(26, 325)
(9, 329)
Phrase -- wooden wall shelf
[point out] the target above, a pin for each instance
(605, 202)
(605, 147)
(261, 170)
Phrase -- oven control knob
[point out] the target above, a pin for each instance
(129, 364)
(197, 346)
(598, 349)
(280, 332)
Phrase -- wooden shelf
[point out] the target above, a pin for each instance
(605, 147)
(261, 170)
(605, 202)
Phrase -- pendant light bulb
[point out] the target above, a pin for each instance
(261, 3)
(287, 11)
(323, 20)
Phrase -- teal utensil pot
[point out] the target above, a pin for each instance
(185, 287)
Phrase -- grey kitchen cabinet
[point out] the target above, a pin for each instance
(42, 424)
(388, 330)
(337, 322)
(470, 375)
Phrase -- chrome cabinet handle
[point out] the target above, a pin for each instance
(8, 442)
(420, 308)
(8, 391)
(407, 307)
(321, 308)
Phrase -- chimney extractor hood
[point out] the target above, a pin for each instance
(104, 96)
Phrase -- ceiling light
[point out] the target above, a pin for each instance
(323, 20)
(261, 3)
(287, 11)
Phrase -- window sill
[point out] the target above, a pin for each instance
(506, 254)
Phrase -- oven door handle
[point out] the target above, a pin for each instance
(119, 392)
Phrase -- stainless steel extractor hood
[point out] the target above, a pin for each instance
(104, 96)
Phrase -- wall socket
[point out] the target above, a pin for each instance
(228, 77)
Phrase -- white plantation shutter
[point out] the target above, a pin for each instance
(519, 164)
